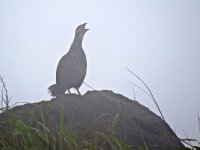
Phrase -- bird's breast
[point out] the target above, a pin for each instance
(72, 68)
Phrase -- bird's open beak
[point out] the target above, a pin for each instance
(84, 26)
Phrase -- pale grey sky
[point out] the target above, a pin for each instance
(157, 40)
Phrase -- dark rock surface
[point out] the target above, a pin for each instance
(136, 124)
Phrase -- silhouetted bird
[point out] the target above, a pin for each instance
(71, 69)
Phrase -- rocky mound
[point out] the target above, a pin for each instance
(104, 111)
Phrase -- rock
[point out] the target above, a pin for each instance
(106, 111)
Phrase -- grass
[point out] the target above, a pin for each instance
(34, 135)
(61, 127)
(27, 137)
(150, 93)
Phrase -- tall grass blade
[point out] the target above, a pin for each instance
(199, 123)
(148, 90)
(61, 126)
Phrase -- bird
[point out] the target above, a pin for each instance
(72, 67)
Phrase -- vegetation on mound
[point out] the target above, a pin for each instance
(34, 135)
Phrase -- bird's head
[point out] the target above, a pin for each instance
(81, 30)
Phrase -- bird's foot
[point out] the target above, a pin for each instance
(69, 91)
(79, 93)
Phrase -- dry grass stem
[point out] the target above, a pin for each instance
(148, 90)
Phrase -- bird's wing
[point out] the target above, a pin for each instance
(61, 68)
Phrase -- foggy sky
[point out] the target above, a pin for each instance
(157, 40)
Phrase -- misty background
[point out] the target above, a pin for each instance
(157, 40)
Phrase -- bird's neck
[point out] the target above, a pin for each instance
(77, 42)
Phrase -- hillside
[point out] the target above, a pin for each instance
(99, 111)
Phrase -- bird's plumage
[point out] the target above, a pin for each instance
(71, 69)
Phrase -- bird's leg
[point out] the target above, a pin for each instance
(69, 91)
(79, 93)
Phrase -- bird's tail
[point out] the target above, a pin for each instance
(54, 90)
